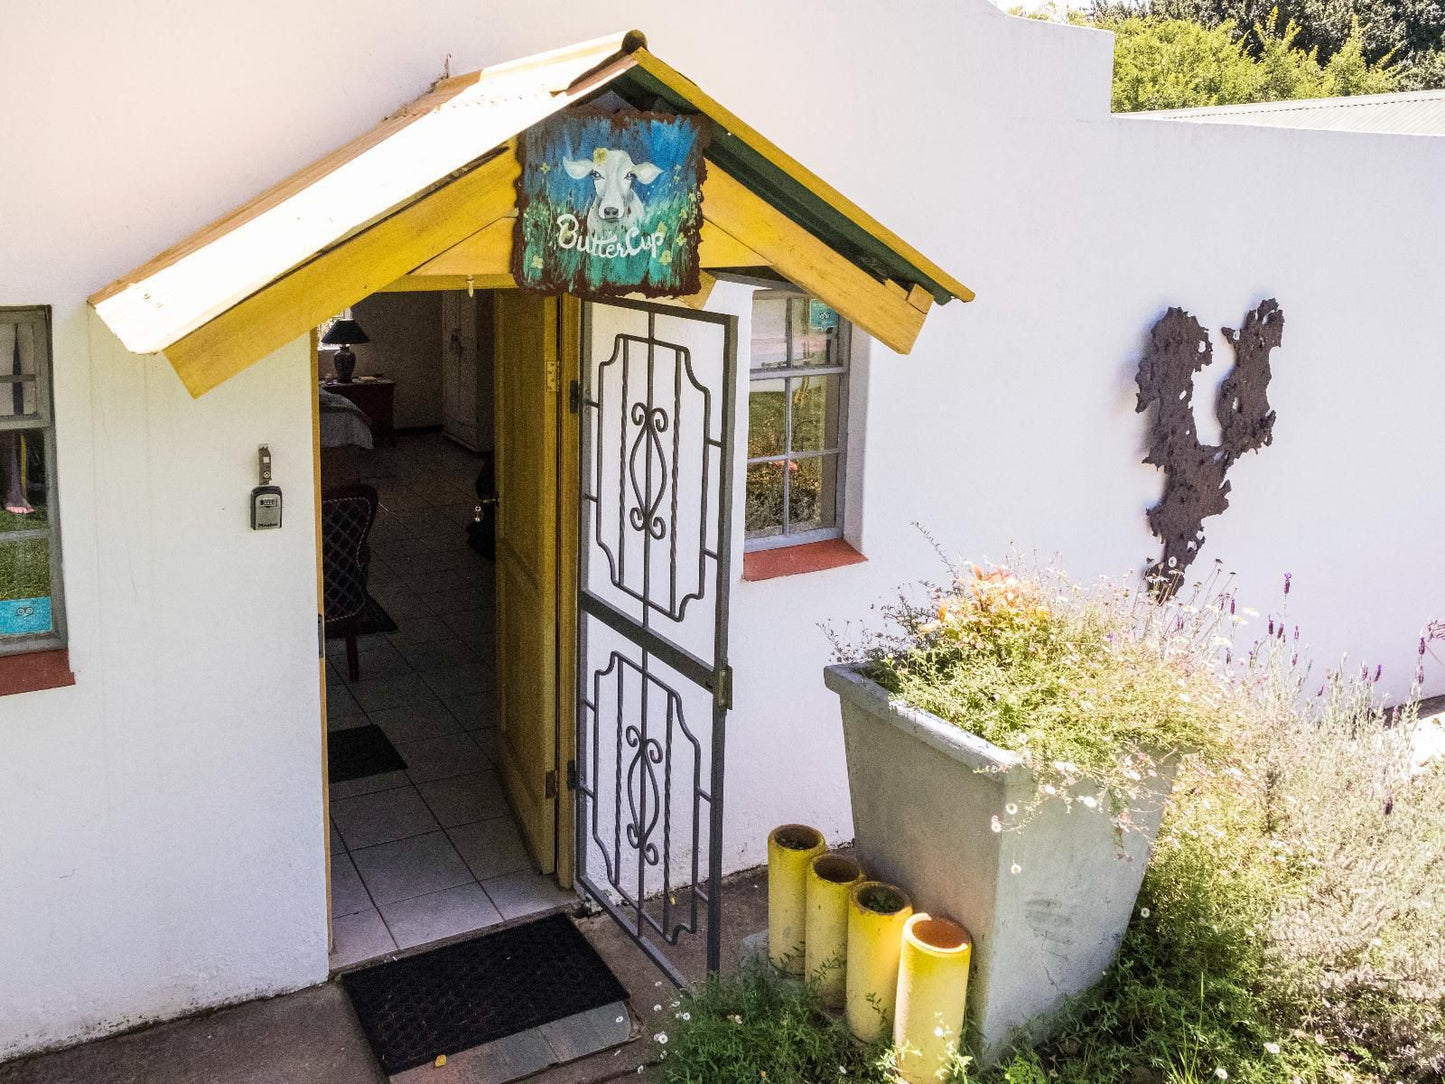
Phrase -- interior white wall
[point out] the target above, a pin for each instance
(405, 330)
(162, 821)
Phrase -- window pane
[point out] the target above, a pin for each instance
(24, 492)
(770, 333)
(813, 496)
(793, 331)
(767, 417)
(22, 347)
(764, 512)
(815, 412)
(25, 608)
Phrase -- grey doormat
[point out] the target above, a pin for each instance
(476, 991)
(358, 752)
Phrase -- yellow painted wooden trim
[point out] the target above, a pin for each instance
(693, 94)
(569, 500)
(486, 252)
(277, 194)
(321, 617)
(809, 263)
(920, 299)
(718, 248)
(414, 283)
(699, 300)
(343, 275)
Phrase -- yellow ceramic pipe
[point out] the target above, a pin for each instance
(791, 847)
(932, 988)
(831, 878)
(876, 915)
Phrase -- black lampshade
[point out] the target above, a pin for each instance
(344, 333)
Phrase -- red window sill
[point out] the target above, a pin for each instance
(34, 671)
(797, 560)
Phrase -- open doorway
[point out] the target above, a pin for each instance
(442, 747)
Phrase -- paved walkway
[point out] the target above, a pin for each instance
(312, 1037)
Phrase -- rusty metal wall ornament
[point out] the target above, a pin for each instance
(1195, 482)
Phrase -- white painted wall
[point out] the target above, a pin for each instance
(160, 823)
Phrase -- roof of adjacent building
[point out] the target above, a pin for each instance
(1420, 112)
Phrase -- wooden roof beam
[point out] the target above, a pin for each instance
(343, 275)
(882, 309)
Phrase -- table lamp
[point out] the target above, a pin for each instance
(344, 333)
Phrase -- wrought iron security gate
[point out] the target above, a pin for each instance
(657, 404)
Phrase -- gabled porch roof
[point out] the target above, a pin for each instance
(427, 199)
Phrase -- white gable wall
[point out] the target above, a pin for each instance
(161, 820)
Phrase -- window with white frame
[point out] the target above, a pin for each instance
(31, 615)
(797, 420)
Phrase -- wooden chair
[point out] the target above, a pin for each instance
(347, 513)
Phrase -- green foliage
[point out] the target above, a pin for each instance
(1093, 688)
(1173, 56)
(1173, 64)
(757, 1026)
(1291, 924)
(1405, 30)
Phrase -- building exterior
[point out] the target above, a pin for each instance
(164, 845)
(1417, 112)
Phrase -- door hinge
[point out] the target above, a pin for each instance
(571, 775)
(550, 784)
(574, 397)
(724, 690)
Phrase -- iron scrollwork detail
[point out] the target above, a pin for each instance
(643, 800)
(651, 423)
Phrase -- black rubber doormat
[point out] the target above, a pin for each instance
(460, 996)
(373, 619)
(359, 752)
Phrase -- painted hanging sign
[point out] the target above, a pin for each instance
(610, 204)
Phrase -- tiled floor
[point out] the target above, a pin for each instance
(431, 852)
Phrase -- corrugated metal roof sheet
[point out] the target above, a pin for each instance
(410, 152)
(1414, 113)
(428, 143)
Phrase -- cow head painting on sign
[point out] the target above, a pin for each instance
(617, 204)
(610, 204)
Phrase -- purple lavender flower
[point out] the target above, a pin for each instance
(1379, 668)
(1287, 577)
(1271, 624)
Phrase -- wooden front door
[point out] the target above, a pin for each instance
(528, 420)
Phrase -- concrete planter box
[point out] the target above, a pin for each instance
(924, 795)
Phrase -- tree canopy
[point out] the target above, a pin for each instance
(1172, 54)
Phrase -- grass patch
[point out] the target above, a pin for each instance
(9, 521)
(757, 1026)
(25, 569)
